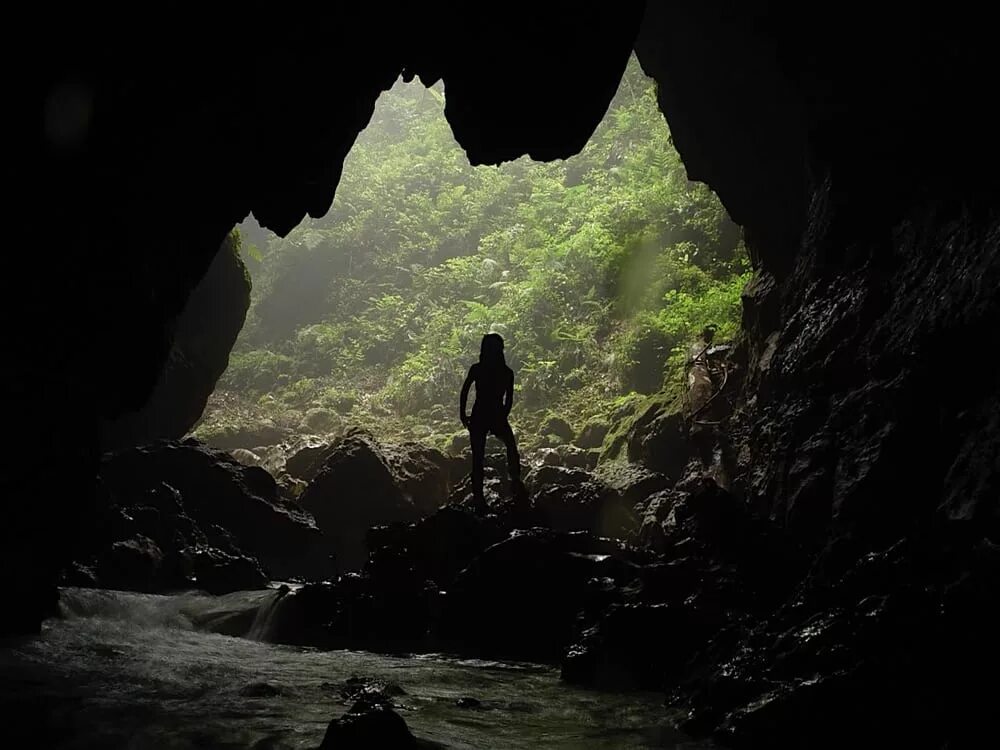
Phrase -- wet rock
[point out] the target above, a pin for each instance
(864, 648)
(519, 598)
(187, 555)
(217, 491)
(636, 646)
(555, 475)
(393, 604)
(290, 488)
(592, 435)
(355, 490)
(469, 702)
(720, 568)
(634, 483)
(366, 726)
(134, 564)
(219, 572)
(246, 457)
(390, 613)
(438, 547)
(573, 500)
(307, 616)
(371, 689)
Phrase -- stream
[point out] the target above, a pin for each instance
(127, 670)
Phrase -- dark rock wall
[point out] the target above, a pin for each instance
(853, 147)
(203, 336)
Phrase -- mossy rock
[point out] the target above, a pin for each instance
(559, 427)
(592, 435)
(421, 432)
(662, 414)
(551, 440)
(322, 420)
(228, 436)
(457, 443)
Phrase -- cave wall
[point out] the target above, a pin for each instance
(202, 337)
(852, 145)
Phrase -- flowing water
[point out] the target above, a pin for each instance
(135, 671)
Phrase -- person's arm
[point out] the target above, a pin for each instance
(509, 395)
(464, 398)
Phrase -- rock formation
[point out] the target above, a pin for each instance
(217, 492)
(203, 336)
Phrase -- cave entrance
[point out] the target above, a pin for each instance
(598, 271)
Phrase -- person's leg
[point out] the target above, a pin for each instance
(506, 433)
(477, 437)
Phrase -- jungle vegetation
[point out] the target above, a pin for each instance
(598, 271)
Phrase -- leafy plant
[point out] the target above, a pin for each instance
(597, 270)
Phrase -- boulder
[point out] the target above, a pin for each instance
(553, 474)
(520, 597)
(655, 436)
(389, 612)
(635, 483)
(577, 458)
(216, 571)
(423, 473)
(458, 443)
(559, 427)
(635, 646)
(154, 545)
(573, 500)
(305, 458)
(865, 645)
(219, 493)
(439, 546)
(318, 419)
(249, 434)
(134, 564)
(368, 725)
(592, 435)
(353, 491)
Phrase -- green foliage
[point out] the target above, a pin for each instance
(598, 271)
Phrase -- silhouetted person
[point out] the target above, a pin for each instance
(494, 382)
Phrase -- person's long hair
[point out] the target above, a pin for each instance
(491, 351)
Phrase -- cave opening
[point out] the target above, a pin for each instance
(601, 271)
(793, 539)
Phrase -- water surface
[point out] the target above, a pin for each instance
(126, 670)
